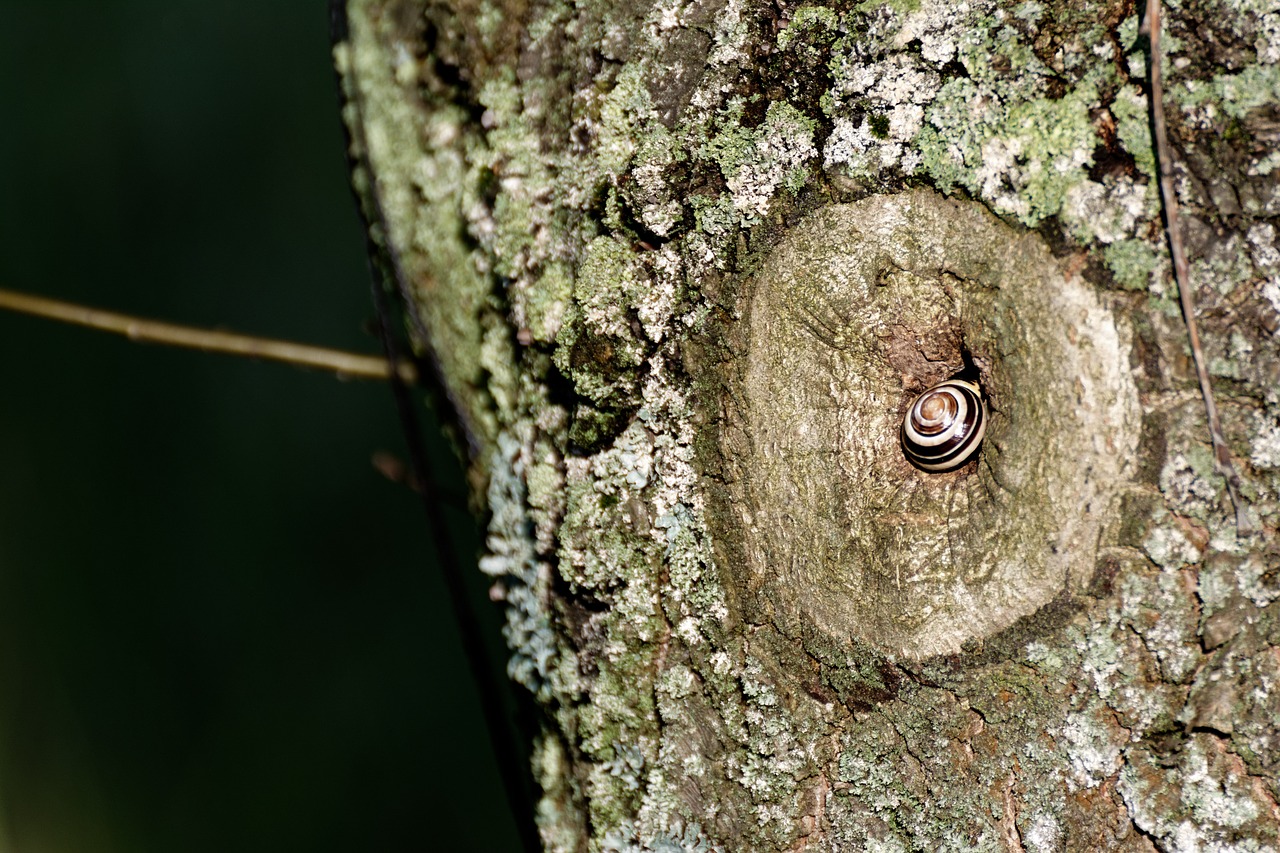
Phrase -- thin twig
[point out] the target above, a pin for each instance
(1181, 270)
(344, 364)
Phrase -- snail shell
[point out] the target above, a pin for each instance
(944, 426)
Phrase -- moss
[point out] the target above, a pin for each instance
(879, 126)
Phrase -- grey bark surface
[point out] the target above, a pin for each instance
(683, 267)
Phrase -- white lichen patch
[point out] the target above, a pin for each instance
(769, 767)
(658, 205)
(1044, 835)
(864, 151)
(731, 34)
(890, 96)
(1102, 660)
(1092, 751)
(1206, 801)
(1108, 211)
(936, 28)
(1190, 482)
(1211, 800)
(1169, 548)
(1160, 609)
(1271, 293)
(1265, 445)
(1263, 247)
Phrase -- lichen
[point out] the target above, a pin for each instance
(1133, 263)
(758, 162)
(589, 204)
(1131, 113)
(1024, 156)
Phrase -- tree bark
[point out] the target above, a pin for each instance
(683, 267)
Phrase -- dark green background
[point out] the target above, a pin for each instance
(220, 628)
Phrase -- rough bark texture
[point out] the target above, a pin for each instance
(684, 265)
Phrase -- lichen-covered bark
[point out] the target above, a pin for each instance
(683, 265)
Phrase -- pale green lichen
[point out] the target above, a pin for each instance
(1133, 263)
(994, 132)
(1022, 156)
(1233, 95)
(547, 300)
(1133, 128)
(809, 24)
(627, 105)
(758, 162)
(715, 216)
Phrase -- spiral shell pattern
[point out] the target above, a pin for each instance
(944, 426)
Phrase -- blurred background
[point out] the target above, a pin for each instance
(220, 627)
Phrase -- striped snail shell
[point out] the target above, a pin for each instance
(944, 426)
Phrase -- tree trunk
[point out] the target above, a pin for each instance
(685, 265)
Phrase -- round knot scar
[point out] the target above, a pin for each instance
(927, 422)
